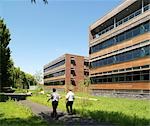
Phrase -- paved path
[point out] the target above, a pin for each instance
(63, 118)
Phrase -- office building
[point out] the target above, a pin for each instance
(119, 49)
(67, 71)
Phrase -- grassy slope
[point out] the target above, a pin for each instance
(12, 114)
(124, 112)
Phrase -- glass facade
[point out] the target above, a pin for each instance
(55, 65)
(134, 76)
(60, 73)
(55, 83)
(123, 57)
(125, 16)
(140, 29)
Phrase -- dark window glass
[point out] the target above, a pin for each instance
(127, 69)
(110, 60)
(146, 66)
(136, 53)
(104, 79)
(142, 28)
(147, 50)
(55, 65)
(145, 72)
(146, 77)
(147, 27)
(116, 78)
(135, 68)
(136, 77)
(121, 78)
(127, 56)
(136, 31)
(128, 34)
(109, 79)
(128, 78)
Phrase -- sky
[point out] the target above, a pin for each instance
(41, 33)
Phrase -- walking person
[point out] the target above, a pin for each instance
(69, 101)
(55, 98)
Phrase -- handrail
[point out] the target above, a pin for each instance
(136, 13)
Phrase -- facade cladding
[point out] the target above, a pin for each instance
(119, 48)
(67, 71)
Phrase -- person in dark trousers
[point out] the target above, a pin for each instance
(69, 101)
(55, 98)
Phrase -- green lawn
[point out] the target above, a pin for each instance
(124, 112)
(13, 114)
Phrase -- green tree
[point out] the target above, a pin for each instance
(21, 79)
(5, 62)
(45, 1)
(38, 77)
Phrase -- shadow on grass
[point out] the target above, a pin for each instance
(31, 121)
(117, 118)
(47, 116)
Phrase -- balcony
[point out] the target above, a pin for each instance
(122, 21)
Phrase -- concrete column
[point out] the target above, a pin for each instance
(114, 22)
(142, 6)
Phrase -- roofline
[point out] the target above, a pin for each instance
(61, 57)
(112, 13)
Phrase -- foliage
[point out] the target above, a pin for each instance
(84, 86)
(21, 79)
(12, 114)
(124, 112)
(5, 63)
(38, 77)
(45, 1)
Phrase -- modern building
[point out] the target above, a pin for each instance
(119, 49)
(67, 71)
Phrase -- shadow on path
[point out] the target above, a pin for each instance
(63, 119)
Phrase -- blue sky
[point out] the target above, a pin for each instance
(41, 33)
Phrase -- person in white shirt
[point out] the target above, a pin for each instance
(55, 98)
(70, 99)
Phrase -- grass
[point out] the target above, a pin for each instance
(121, 111)
(13, 114)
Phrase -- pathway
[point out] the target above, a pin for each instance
(67, 120)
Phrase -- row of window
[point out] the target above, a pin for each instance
(147, 7)
(124, 70)
(123, 57)
(124, 77)
(55, 65)
(60, 73)
(55, 83)
(145, 42)
(140, 29)
(127, 18)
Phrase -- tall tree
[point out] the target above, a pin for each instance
(38, 77)
(4, 55)
(45, 1)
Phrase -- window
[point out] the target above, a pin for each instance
(126, 56)
(140, 29)
(135, 76)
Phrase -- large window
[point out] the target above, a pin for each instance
(123, 57)
(60, 73)
(55, 65)
(122, 77)
(140, 29)
(55, 83)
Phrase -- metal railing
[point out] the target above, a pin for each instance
(136, 13)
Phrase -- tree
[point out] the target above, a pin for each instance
(45, 1)
(5, 62)
(38, 77)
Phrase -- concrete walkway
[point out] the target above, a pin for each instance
(63, 118)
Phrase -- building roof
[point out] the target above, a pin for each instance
(112, 13)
